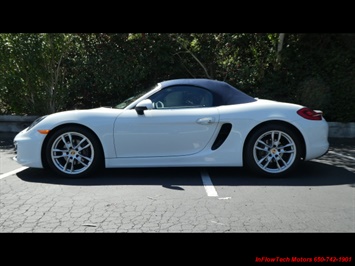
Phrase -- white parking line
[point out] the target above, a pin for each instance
(342, 155)
(206, 180)
(13, 172)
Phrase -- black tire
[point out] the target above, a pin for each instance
(273, 150)
(73, 152)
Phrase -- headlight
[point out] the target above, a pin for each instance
(39, 119)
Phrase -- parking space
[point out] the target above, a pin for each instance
(318, 197)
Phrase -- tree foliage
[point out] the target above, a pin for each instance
(43, 73)
(32, 77)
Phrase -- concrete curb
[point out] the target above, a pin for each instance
(341, 130)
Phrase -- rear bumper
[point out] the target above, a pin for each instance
(317, 143)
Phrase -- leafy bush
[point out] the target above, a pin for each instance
(45, 73)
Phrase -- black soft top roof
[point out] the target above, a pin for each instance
(224, 93)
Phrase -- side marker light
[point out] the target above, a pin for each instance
(43, 131)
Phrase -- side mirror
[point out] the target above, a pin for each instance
(143, 105)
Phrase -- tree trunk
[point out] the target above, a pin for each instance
(279, 47)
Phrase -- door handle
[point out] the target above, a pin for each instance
(205, 120)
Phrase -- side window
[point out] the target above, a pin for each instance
(182, 97)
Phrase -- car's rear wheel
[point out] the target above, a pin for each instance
(73, 152)
(273, 150)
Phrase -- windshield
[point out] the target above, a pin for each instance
(131, 99)
(126, 102)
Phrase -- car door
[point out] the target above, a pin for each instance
(175, 127)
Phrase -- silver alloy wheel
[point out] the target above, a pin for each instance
(72, 153)
(274, 151)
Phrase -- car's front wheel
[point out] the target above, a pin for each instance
(73, 152)
(273, 150)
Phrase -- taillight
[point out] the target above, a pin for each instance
(310, 114)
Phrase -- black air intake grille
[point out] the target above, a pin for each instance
(222, 135)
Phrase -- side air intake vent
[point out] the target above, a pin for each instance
(222, 135)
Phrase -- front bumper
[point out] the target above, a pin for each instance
(28, 146)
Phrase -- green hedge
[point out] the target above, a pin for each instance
(45, 73)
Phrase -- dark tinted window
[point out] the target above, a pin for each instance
(182, 96)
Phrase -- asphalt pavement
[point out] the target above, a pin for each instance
(317, 197)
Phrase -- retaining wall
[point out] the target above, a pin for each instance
(341, 130)
(15, 123)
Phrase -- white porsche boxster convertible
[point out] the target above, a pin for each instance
(178, 123)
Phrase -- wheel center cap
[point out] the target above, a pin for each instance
(273, 151)
(72, 152)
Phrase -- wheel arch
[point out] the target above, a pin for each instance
(52, 131)
(277, 122)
